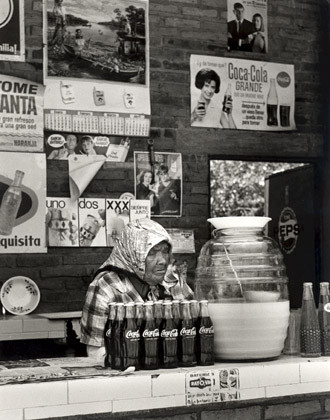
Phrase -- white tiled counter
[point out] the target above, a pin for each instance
(81, 392)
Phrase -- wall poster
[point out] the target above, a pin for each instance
(247, 25)
(160, 183)
(96, 67)
(12, 44)
(21, 115)
(241, 94)
(23, 198)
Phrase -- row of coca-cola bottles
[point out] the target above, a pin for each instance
(160, 334)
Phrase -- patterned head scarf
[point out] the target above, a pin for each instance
(134, 244)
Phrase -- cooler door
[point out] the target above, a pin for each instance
(290, 202)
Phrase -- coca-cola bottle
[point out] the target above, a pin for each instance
(169, 338)
(310, 335)
(205, 336)
(109, 334)
(131, 338)
(139, 317)
(158, 317)
(324, 318)
(194, 311)
(150, 337)
(118, 334)
(228, 97)
(177, 322)
(187, 338)
(272, 104)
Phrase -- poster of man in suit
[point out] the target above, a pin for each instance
(247, 26)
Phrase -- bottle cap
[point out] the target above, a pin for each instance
(130, 304)
(148, 303)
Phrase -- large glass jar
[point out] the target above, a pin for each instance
(242, 275)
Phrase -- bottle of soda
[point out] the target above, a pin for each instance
(109, 334)
(194, 311)
(10, 203)
(139, 317)
(177, 322)
(205, 336)
(272, 104)
(131, 338)
(310, 334)
(169, 338)
(150, 337)
(324, 318)
(187, 338)
(228, 97)
(118, 336)
(158, 317)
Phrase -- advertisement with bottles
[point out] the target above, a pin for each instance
(241, 94)
(22, 198)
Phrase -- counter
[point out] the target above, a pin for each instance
(59, 388)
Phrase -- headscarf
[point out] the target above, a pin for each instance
(133, 245)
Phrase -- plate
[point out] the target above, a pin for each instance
(20, 295)
(239, 222)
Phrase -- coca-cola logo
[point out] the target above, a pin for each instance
(283, 79)
(108, 332)
(188, 331)
(206, 330)
(169, 333)
(132, 334)
(201, 383)
(151, 333)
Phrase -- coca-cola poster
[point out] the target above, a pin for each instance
(23, 203)
(247, 27)
(241, 94)
(12, 44)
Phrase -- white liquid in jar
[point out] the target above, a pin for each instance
(249, 330)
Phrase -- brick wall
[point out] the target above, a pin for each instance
(179, 28)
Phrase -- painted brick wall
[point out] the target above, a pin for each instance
(179, 28)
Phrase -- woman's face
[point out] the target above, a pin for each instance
(147, 178)
(257, 22)
(208, 89)
(157, 261)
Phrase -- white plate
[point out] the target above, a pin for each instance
(239, 222)
(20, 295)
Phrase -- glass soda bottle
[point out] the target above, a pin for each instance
(118, 336)
(139, 317)
(205, 336)
(109, 334)
(310, 335)
(194, 311)
(272, 104)
(177, 322)
(187, 338)
(158, 316)
(131, 338)
(324, 317)
(228, 96)
(150, 337)
(169, 338)
(10, 203)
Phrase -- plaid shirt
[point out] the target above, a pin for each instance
(111, 286)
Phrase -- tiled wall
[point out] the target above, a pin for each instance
(285, 389)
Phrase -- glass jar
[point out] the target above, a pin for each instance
(242, 275)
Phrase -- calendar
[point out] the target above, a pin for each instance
(137, 125)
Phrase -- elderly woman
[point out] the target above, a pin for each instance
(137, 270)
